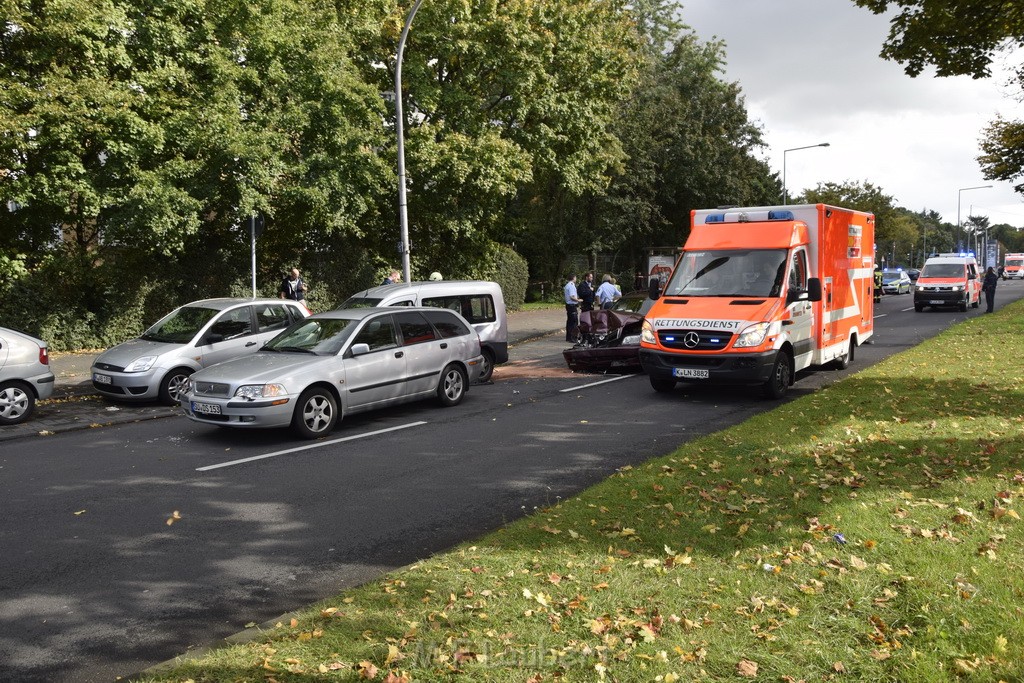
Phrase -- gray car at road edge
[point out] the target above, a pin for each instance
(25, 375)
(190, 337)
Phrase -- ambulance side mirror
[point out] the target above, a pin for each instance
(654, 289)
(814, 289)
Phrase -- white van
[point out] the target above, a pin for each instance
(478, 301)
(948, 280)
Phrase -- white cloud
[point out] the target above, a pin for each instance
(811, 73)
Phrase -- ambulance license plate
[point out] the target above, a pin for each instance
(205, 408)
(690, 373)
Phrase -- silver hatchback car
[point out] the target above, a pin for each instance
(25, 375)
(338, 363)
(188, 338)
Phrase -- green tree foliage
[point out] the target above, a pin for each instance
(896, 233)
(688, 143)
(506, 95)
(1003, 152)
(963, 37)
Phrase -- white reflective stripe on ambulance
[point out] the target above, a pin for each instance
(700, 324)
(854, 310)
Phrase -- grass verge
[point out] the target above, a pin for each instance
(869, 531)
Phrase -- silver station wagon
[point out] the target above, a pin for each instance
(188, 338)
(337, 363)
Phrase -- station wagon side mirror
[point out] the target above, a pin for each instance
(360, 349)
(654, 289)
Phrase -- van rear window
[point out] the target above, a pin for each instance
(476, 308)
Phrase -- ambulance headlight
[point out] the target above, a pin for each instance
(958, 288)
(647, 333)
(756, 334)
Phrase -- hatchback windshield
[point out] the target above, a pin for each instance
(180, 326)
(942, 270)
(733, 272)
(320, 336)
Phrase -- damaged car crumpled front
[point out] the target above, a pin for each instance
(609, 342)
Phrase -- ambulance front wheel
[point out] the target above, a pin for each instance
(661, 384)
(782, 374)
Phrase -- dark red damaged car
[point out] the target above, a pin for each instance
(609, 341)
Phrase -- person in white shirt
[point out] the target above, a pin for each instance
(607, 293)
(572, 316)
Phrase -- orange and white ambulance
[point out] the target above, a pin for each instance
(1013, 266)
(760, 293)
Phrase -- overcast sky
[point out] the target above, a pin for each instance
(811, 73)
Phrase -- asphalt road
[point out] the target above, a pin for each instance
(95, 583)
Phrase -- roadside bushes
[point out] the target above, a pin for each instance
(511, 271)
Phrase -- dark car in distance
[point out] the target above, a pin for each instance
(609, 340)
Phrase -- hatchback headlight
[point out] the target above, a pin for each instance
(141, 364)
(254, 391)
(756, 334)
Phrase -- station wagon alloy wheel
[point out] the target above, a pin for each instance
(315, 414)
(452, 386)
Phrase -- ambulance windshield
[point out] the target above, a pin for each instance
(943, 270)
(729, 272)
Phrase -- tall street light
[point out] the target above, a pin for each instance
(964, 189)
(784, 153)
(403, 207)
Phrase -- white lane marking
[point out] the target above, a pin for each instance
(907, 309)
(594, 384)
(309, 447)
(881, 315)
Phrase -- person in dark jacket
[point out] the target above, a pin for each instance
(586, 292)
(988, 285)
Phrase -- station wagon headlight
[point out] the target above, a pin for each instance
(255, 391)
(756, 334)
(631, 340)
(141, 364)
(647, 333)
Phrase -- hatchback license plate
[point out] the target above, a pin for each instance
(100, 379)
(205, 408)
(690, 373)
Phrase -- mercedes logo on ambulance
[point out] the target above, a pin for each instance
(691, 340)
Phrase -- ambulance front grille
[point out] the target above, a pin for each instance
(694, 340)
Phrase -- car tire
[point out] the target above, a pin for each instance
(977, 302)
(486, 367)
(778, 382)
(963, 306)
(844, 360)
(170, 385)
(918, 307)
(451, 388)
(17, 403)
(316, 413)
(662, 385)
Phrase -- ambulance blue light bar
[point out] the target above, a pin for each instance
(748, 216)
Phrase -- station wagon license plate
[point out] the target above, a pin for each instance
(690, 373)
(100, 379)
(205, 408)
(936, 303)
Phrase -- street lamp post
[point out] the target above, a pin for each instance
(403, 207)
(964, 189)
(784, 153)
